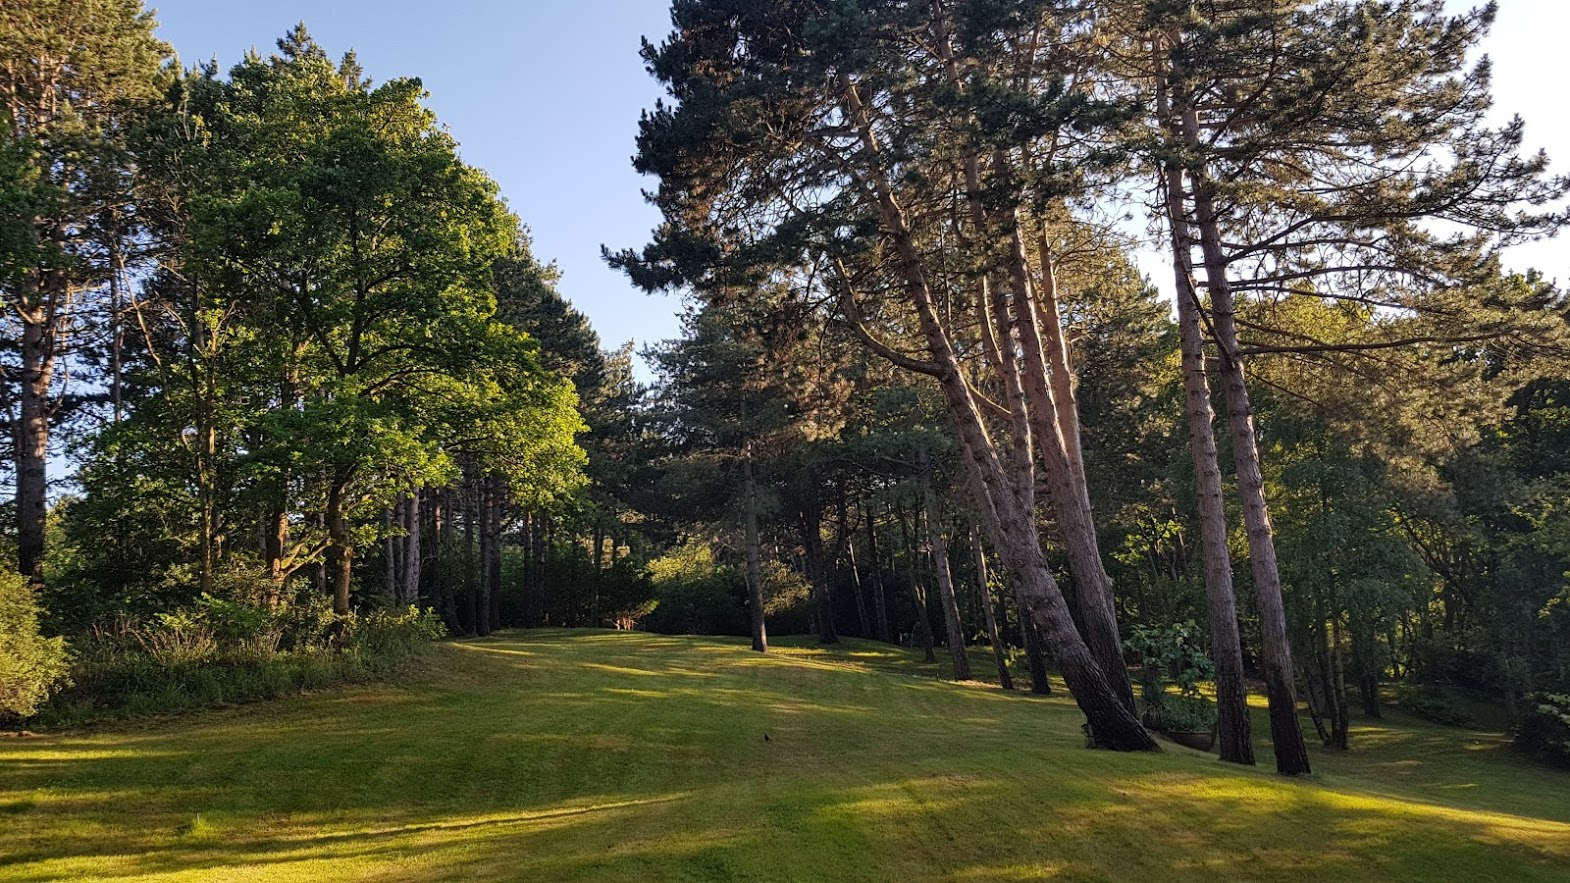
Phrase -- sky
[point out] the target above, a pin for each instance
(545, 96)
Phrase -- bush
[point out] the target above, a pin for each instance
(384, 633)
(695, 595)
(1173, 653)
(1189, 714)
(218, 652)
(1433, 706)
(31, 665)
(1543, 732)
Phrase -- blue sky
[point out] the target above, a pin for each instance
(545, 96)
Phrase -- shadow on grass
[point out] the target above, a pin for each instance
(593, 755)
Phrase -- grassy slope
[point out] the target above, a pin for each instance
(591, 755)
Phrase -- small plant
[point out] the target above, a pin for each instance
(197, 828)
(1190, 714)
(1173, 655)
(1543, 732)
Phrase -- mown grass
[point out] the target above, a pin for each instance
(605, 756)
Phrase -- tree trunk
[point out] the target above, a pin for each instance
(1286, 733)
(411, 555)
(276, 545)
(341, 574)
(391, 515)
(32, 431)
(811, 523)
(1009, 513)
(760, 634)
(921, 631)
(471, 571)
(984, 593)
(1035, 653)
(940, 565)
(858, 589)
(880, 605)
(1058, 443)
(1233, 726)
(1038, 372)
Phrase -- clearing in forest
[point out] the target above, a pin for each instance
(615, 756)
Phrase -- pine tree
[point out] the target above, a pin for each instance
(71, 74)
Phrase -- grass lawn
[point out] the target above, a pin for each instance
(552, 755)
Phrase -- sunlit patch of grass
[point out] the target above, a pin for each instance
(560, 755)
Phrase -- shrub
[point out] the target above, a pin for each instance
(1189, 714)
(1173, 653)
(1433, 706)
(1543, 731)
(695, 595)
(31, 665)
(219, 652)
(396, 633)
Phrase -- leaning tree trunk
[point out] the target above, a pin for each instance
(1233, 726)
(1042, 368)
(1058, 443)
(1009, 493)
(857, 587)
(940, 565)
(1286, 733)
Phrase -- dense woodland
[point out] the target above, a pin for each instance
(285, 384)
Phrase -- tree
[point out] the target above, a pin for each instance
(785, 135)
(1296, 150)
(70, 75)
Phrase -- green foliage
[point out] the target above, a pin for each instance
(1174, 653)
(1543, 731)
(1194, 714)
(695, 595)
(217, 651)
(32, 667)
(1433, 706)
(394, 633)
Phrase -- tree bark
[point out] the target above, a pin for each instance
(1046, 382)
(1286, 732)
(32, 448)
(1009, 513)
(1058, 442)
(342, 559)
(411, 556)
(760, 634)
(811, 524)
(984, 593)
(1233, 726)
(880, 605)
(471, 570)
(921, 630)
(940, 565)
